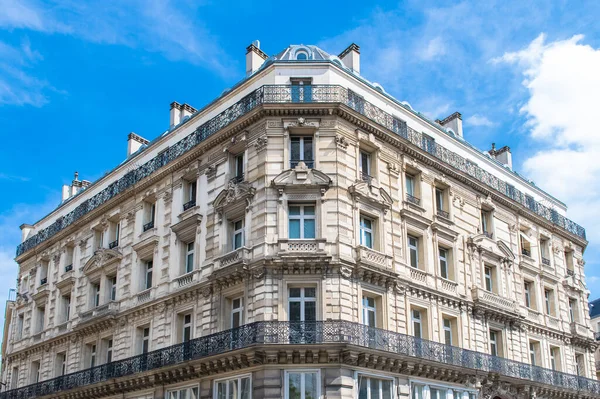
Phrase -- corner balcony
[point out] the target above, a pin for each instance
(493, 300)
(352, 339)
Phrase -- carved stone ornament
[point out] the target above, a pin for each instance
(56, 258)
(206, 291)
(370, 194)
(393, 168)
(301, 178)
(458, 201)
(345, 271)
(261, 143)
(341, 142)
(210, 172)
(234, 193)
(259, 273)
(301, 122)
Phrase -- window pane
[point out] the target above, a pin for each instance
(366, 223)
(310, 311)
(309, 210)
(372, 319)
(310, 385)
(294, 228)
(233, 389)
(362, 388)
(309, 228)
(386, 389)
(237, 242)
(294, 388)
(310, 292)
(413, 258)
(295, 149)
(294, 210)
(295, 292)
(245, 388)
(374, 388)
(367, 239)
(295, 311)
(308, 149)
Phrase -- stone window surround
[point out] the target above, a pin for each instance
(302, 370)
(226, 295)
(228, 378)
(457, 333)
(300, 281)
(426, 317)
(381, 303)
(380, 376)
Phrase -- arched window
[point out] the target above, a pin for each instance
(301, 55)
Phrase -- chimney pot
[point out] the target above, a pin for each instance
(255, 57)
(25, 230)
(453, 122)
(350, 57)
(134, 143)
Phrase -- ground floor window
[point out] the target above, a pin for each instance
(233, 388)
(424, 391)
(183, 393)
(374, 388)
(302, 384)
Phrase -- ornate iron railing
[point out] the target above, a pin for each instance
(412, 199)
(113, 244)
(275, 94)
(443, 214)
(545, 261)
(306, 333)
(189, 204)
(526, 252)
(149, 225)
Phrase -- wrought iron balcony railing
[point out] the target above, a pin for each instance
(306, 333)
(237, 179)
(189, 204)
(149, 225)
(489, 234)
(275, 94)
(545, 261)
(526, 252)
(412, 199)
(113, 244)
(364, 176)
(68, 268)
(443, 214)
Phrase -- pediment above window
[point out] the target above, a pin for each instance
(498, 251)
(301, 178)
(101, 260)
(145, 248)
(235, 195)
(372, 195)
(187, 229)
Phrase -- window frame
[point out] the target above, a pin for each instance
(411, 248)
(302, 382)
(226, 380)
(189, 394)
(447, 330)
(187, 327)
(235, 232)
(416, 321)
(376, 377)
(367, 309)
(302, 299)
(302, 217)
(488, 278)
(443, 259)
(189, 266)
(310, 163)
(148, 274)
(364, 231)
(239, 311)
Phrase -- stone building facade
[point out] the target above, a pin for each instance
(303, 236)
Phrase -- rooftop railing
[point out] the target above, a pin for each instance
(275, 94)
(307, 333)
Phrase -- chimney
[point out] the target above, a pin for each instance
(25, 230)
(351, 57)
(75, 187)
(134, 143)
(255, 57)
(179, 112)
(502, 155)
(453, 122)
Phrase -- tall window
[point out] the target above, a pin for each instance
(486, 223)
(61, 364)
(579, 364)
(443, 257)
(447, 324)
(301, 221)
(440, 203)
(301, 150)
(569, 262)
(413, 251)
(114, 232)
(302, 304)
(237, 312)
(532, 353)
(554, 357)
(369, 311)
(302, 385)
(544, 243)
(489, 278)
(66, 307)
(234, 388)
(573, 315)
(109, 350)
(238, 173)
(150, 215)
(113, 288)
(417, 323)
(41, 317)
(190, 198)
(549, 301)
(411, 189)
(186, 327)
(92, 349)
(365, 166)
(144, 339)
(187, 393)
(366, 232)
(374, 388)
(14, 378)
(527, 291)
(238, 234)
(96, 294)
(494, 343)
(525, 245)
(20, 323)
(148, 266)
(35, 372)
(189, 257)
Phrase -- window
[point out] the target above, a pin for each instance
(238, 234)
(186, 393)
(238, 172)
(190, 195)
(374, 388)
(301, 56)
(150, 215)
(525, 245)
(366, 232)
(544, 251)
(301, 88)
(233, 388)
(443, 257)
(579, 364)
(112, 281)
(555, 358)
(66, 307)
(365, 166)
(369, 311)
(440, 203)
(20, 322)
(35, 372)
(98, 239)
(533, 353)
(569, 262)
(44, 273)
(24, 284)
(148, 266)
(301, 221)
(549, 301)
(302, 304)
(527, 292)
(60, 366)
(92, 352)
(417, 323)
(185, 325)
(302, 385)
(69, 258)
(573, 314)
(109, 350)
(489, 278)
(486, 223)
(41, 316)
(413, 250)
(447, 324)
(114, 231)
(411, 190)
(96, 294)
(495, 343)
(237, 312)
(144, 339)
(189, 257)
(301, 149)
(14, 378)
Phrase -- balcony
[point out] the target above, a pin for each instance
(418, 275)
(374, 258)
(189, 204)
(413, 200)
(492, 300)
(545, 261)
(580, 330)
(443, 214)
(185, 280)
(113, 244)
(108, 309)
(238, 256)
(149, 225)
(336, 333)
(144, 296)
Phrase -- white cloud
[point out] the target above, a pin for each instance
(434, 49)
(479, 120)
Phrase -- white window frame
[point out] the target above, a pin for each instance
(358, 375)
(175, 393)
(93, 354)
(187, 325)
(302, 382)
(237, 312)
(189, 268)
(365, 169)
(527, 293)
(413, 247)
(302, 299)
(96, 294)
(410, 185)
(532, 357)
(302, 138)
(235, 232)
(148, 274)
(192, 187)
(443, 260)
(447, 329)
(439, 200)
(109, 349)
(239, 159)
(145, 339)
(494, 342)
(553, 357)
(369, 309)
(488, 278)
(302, 217)
(226, 380)
(365, 230)
(548, 301)
(417, 321)
(113, 288)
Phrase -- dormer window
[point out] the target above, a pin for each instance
(301, 55)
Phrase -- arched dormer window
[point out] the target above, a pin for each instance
(301, 55)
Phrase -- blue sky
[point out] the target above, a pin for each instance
(76, 77)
